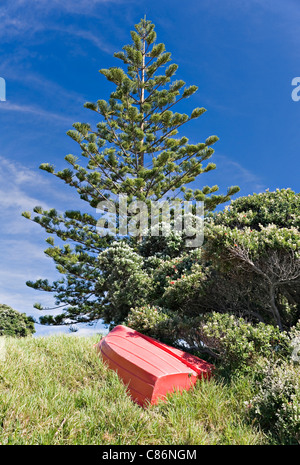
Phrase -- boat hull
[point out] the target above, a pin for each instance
(149, 368)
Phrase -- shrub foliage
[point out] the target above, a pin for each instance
(13, 323)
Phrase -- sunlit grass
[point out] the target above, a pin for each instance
(55, 390)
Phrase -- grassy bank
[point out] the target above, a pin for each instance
(55, 390)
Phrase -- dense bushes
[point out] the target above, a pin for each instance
(266, 266)
(280, 207)
(245, 268)
(254, 246)
(276, 406)
(123, 282)
(13, 323)
(236, 345)
(241, 345)
(146, 319)
(236, 302)
(262, 353)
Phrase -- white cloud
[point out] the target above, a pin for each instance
(22, 244)
(21, 189)
(284, 16)
(15, 179)
(7, 106)
(236, 173)
(85, 34)
(25, 261)
(22, 260)
(26, 18)
(22, 255)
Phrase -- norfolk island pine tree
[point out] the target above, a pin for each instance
(132, 151)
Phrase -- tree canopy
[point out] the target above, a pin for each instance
(133, 151)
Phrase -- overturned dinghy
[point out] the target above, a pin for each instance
(149, 368)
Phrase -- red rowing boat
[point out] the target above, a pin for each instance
(149, 368)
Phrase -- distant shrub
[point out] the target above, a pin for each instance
(13, 323)
(276, 407)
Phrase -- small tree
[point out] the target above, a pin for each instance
(13, 323)
(133, 151)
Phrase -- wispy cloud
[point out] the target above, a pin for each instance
(100, 43)
(25, 25)
(284, 16)
(21, 261)
(24, 19)
(8, 106)
(14, 181)
(232, 171)
(52, 95)
(22, 255)
(14, 67)
(21, 189)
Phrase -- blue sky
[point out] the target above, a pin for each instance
(242, 54)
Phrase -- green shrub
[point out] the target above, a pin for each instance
(146, 319)
(239, 345)
(13, 323)
(166, 246)
(280, 207)
(123, 283)
(266, 266)
(276, 407)
(184, 291)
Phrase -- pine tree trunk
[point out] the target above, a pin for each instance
(141, 155)
(142, 99)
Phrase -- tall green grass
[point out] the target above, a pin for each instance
(56, 390)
